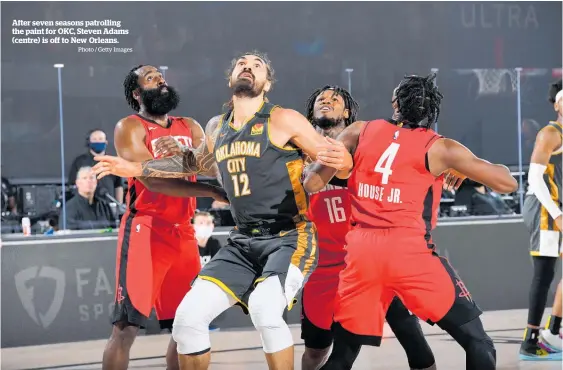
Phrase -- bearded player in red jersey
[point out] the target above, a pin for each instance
(157, 254)
(331, 109)
(395, 189)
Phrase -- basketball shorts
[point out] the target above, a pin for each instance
(247, 260)
(545, 239)
(156, 264)
(318, 300)
(387, 262)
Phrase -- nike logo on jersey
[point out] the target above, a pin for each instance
(284, 233)
(152, 128)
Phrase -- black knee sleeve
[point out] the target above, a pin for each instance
(479, 347)
(544, 272)
(345, 350)
(409, 333)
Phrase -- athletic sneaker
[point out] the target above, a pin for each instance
(530, 351)
(551, 342)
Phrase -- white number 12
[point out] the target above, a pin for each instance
(384, 163)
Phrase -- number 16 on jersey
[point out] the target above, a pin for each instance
(335, 210)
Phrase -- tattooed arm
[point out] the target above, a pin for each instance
(198, 161)
(192, 162)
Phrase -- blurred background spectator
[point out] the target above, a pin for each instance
(96, 142)
(480, 201)
(8, 197)
(86, 210)
(208, 245)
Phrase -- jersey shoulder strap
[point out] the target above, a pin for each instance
(432, 140)
(266, 110)
(556, 125)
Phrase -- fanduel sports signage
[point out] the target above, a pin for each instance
(57, 292)
(24, 286)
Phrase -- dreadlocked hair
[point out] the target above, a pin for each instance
(349, 103)
(131, 84)
(419, 99)
(269, 70)
(554, 88)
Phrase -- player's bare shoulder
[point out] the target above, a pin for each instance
(355, 128)
(193, 124)
(198, 135)
(280, 115)
(549, 133)
(127, 128)
(128, 123)
(213, 127)
(351, 135)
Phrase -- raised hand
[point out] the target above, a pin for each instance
(334, 154)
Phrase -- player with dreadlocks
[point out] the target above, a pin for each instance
(331, 109)
(157, 254)
(395, 187)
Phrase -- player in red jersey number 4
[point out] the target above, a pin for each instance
(331, 109)
(395, 189)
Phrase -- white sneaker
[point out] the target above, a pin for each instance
(553, 342)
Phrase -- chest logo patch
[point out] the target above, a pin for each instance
(257, 129)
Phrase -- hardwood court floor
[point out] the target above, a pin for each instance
(240, 350)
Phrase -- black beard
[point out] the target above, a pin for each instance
(243, 88)
(325, 123)
(158, 103)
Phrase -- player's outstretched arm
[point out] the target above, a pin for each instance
(129, 140)
(192, 162)
(446, 153)
(318, 174)
(198, 161)
(292, 126)
(548, 140)
(130, 145)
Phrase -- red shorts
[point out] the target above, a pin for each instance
(387, 262)
(319, 295)
(156, 264)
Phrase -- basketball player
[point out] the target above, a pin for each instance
(395, 190)
(273, 250)
(542, 215)
(331, 109)
(157, 256)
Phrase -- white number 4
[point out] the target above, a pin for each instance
(384, 163)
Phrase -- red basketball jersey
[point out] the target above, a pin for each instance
(391, 185)
(330, 211)
(175, 210)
